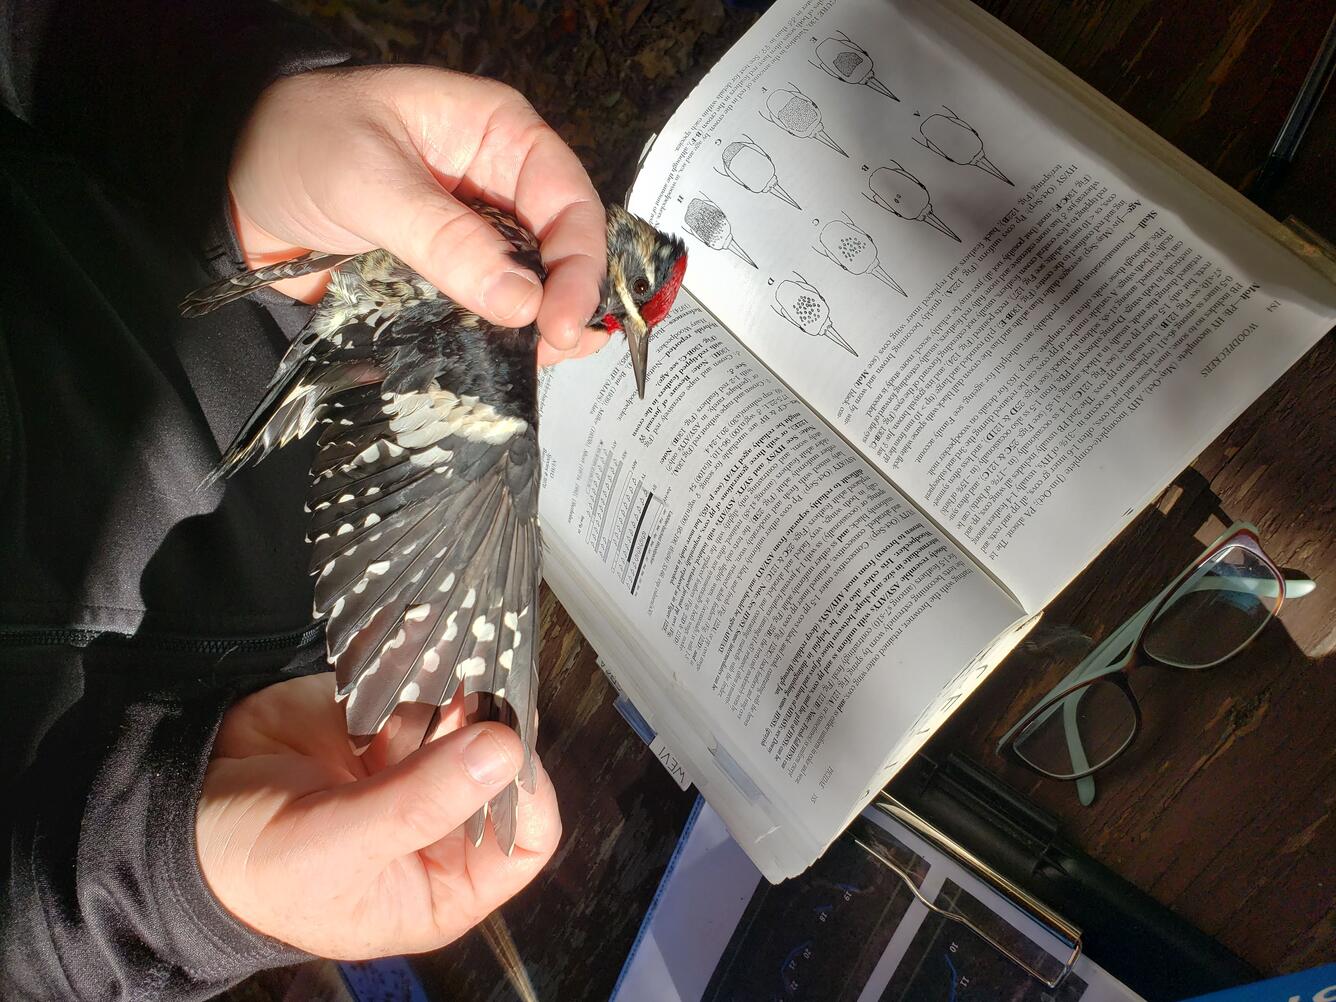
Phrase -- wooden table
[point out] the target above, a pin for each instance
(1223, 809)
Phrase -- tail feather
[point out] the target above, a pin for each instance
(229, 290)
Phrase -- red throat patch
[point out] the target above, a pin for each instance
(662, 301)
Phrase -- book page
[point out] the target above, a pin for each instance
(779, 614)
(1020, 316)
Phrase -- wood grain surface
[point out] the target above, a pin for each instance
(1223, 809)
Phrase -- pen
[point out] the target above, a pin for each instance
(1296, 124)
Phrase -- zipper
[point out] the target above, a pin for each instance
(38, 636)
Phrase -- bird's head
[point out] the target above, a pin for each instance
(645, 269)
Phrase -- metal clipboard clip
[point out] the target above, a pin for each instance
(1062, 930)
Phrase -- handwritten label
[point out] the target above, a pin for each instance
(665, 755)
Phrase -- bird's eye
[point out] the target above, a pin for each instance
(640, 286)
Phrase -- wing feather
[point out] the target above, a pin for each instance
(407, 594)
(377, 575)
(440, 587)
(519, 640)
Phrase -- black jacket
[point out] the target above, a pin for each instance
(134, 606)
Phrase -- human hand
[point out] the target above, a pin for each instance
(354, 857)
(347, 160)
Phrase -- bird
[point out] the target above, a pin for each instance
(423, 497)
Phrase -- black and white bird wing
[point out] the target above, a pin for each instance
(314, 370)
(424, 527)
(325, 358)
(424, 493)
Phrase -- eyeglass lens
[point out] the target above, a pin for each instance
(1080, 732)
(1216, 611)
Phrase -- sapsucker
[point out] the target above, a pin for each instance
(424, 490)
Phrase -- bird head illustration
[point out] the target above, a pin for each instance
(645, 269)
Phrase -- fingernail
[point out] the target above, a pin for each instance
(505, 294)
(486, 761)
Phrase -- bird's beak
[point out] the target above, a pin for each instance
(637, 341)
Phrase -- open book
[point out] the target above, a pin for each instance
(951, 320)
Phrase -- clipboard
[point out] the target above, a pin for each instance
(1135, 938)
(1049, 971)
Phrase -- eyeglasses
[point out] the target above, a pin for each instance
(1208, 614)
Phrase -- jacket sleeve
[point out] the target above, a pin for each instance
(101, 896)
(104, 899)
(151, 94)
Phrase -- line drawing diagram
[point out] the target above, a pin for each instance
(707, 223)
(801, 305)
(954, 139)
(847, 61)
(853, 250)
(797, 114)
(900, 192)
(750, 166)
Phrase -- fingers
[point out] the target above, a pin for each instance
(591, 340)
(570, 298)
(410, 727)
(484, 874)
(554, 195)
(420, 800)
(520, 160)
(512, 159)
(344, 160)
(538, 827)
(402, 735)
(571, 293)
(451, 246)
(547, 355)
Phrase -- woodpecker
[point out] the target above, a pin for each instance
(424, 491)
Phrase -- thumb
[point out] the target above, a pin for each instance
(423, 798)
(451, 246)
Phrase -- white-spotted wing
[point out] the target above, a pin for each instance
(425, 541)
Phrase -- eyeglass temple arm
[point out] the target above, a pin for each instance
(1097, 662)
